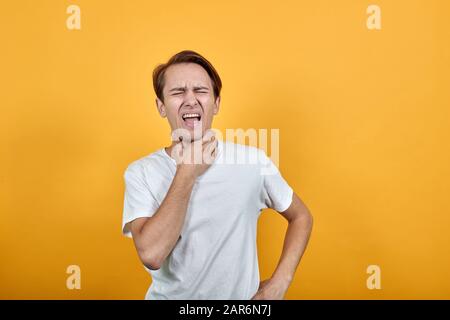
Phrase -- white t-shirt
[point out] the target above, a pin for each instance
(216, 256)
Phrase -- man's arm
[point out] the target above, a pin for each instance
(155, 237)
(300, 223)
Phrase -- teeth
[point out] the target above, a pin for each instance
(191, 115)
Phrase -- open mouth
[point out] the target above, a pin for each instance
(191, 119)
(191, 116)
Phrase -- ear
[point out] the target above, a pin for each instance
(216, 107)
(161, 108)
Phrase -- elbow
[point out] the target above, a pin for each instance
(152, 265)
(309, 218)
(306, 219)
(151, 260)
(310, 221)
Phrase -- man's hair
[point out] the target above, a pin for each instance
(186, 56)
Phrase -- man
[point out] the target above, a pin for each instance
(194, 222)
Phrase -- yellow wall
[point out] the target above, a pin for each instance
(363, 118)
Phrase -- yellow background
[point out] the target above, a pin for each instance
(364, 130)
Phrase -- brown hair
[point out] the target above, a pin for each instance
(185, 56)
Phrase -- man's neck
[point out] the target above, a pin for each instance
(170, 148)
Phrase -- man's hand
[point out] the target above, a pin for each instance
(195, 157)
(271, 289)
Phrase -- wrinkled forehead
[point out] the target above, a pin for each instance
(186, 75)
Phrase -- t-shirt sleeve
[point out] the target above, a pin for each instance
(275, 191)
(138, 199)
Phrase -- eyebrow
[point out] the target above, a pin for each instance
(183, 88)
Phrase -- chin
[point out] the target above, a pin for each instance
(187, 134)
(192, 134)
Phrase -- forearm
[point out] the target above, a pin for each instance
(295, 242)
(160, 233)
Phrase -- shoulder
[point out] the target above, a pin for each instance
(143, 164)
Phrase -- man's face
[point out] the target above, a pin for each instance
(188, 99)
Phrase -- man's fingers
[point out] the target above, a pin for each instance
(200, 151)
(210, 152)
(208, 136)
(182, 136)
(210, 146)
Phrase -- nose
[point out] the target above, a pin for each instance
(190, 99)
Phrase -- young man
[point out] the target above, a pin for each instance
(194, 222)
